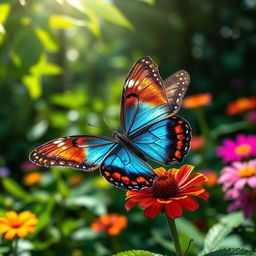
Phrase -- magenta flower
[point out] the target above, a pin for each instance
(243, 199)
(244, 146)
(238, 175)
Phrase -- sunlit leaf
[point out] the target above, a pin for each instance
(33, 84)
(33, 79)
(102, 9)
(220, 230)
(150, 2)
(62, 21)
(4, 12)
(67, 99)
(231, 252)
(46, 40)
(138, 253)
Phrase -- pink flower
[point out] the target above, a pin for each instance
(244, 146)
(28, 166)
(243, 199)
(238, 175)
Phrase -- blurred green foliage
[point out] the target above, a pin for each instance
(62, 67)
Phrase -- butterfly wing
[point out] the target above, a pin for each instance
(166, 141)
(175, 87)
(143, 100)
(126, 171)
(79, 152)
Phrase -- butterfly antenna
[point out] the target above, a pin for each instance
(107, 124)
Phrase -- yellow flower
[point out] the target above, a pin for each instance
(17, 224)
(33, 178)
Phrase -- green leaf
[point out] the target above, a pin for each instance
(220, 230)
(231, 252)
(44, 216)
(62, 21)
(46, 40)
(4, 12)
(67, 99)
(190, 230)
(102, 9)
(33, 80)
(137, 253)
(24, 56)
(12, 187)
(149, 2)
(33, 84)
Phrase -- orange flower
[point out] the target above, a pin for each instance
(212, 178)
(33, 178)
(17, 224)
(197, 142)
(197, 100)
(170, 193)
(111, 224)
(240, 105)
(75, 179)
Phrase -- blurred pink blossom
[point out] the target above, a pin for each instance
(238, 175)
(243, 199)
(28, 166)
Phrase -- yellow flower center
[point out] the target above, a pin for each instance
(247, 172)
(165, 186)
(243, 149)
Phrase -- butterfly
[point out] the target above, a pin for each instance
(150, 130)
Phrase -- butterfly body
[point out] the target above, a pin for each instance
(150, 130)
(127, 143)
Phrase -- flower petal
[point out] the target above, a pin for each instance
(174, 210)
(196, 191)
(4, 228)
(153, 210)
(24, 216)
(10, 234)
(22, 232)
(189, 204)
(160, 171)
(193, 180)
(183, 173)
(147, 202)
(11, 215)
(130, 204)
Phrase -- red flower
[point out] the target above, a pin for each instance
(170, 193)
(111, 224)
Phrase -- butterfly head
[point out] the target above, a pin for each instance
(115, 134)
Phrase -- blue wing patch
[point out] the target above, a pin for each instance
(124, 170)
(166, 141)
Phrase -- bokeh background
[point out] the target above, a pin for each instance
(62, 67)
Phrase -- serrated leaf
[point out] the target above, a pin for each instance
(231, 252)
(137, 253)
(220, 230)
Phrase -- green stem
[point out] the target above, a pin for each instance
(15, 246)
(202, 122)
(174, 235)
